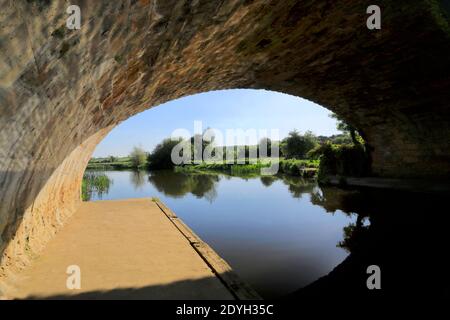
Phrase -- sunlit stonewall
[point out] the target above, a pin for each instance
(373, 21)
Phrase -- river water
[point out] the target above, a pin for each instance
(278, 233)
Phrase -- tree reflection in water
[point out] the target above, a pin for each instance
(385, 232)
(176, 184)
(394, 230)
(137, 178)
(405, 234)
(351, 203)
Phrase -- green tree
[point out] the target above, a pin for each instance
(296, 146)
(138, 157)
(347, 128)
(309, 140)
(198, 149)
(160, 157)
(268, 143)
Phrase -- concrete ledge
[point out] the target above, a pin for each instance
(124, 249)
(238, 288)
(414, 185)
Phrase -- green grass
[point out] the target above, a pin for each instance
(122, 163)
(303, 168)
(227, 167)
(94, 182)
(294, 167)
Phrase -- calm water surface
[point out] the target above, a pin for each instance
(274, 231)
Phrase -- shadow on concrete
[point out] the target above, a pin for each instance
(196, 289)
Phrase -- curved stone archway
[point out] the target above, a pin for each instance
(62, 91)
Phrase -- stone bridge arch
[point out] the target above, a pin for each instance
(62, 91)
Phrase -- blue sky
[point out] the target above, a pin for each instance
(222, 110)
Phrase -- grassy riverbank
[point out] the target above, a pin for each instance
(293, 167)
(94, 182)
(110, 163)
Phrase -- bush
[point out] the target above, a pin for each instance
(160, 158)
(94, 182)
(138, 158)
(343, 160)
(296, 146)
(303, 168)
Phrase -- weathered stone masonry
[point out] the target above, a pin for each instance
(62, 91)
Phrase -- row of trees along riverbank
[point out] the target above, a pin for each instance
(299, 155)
